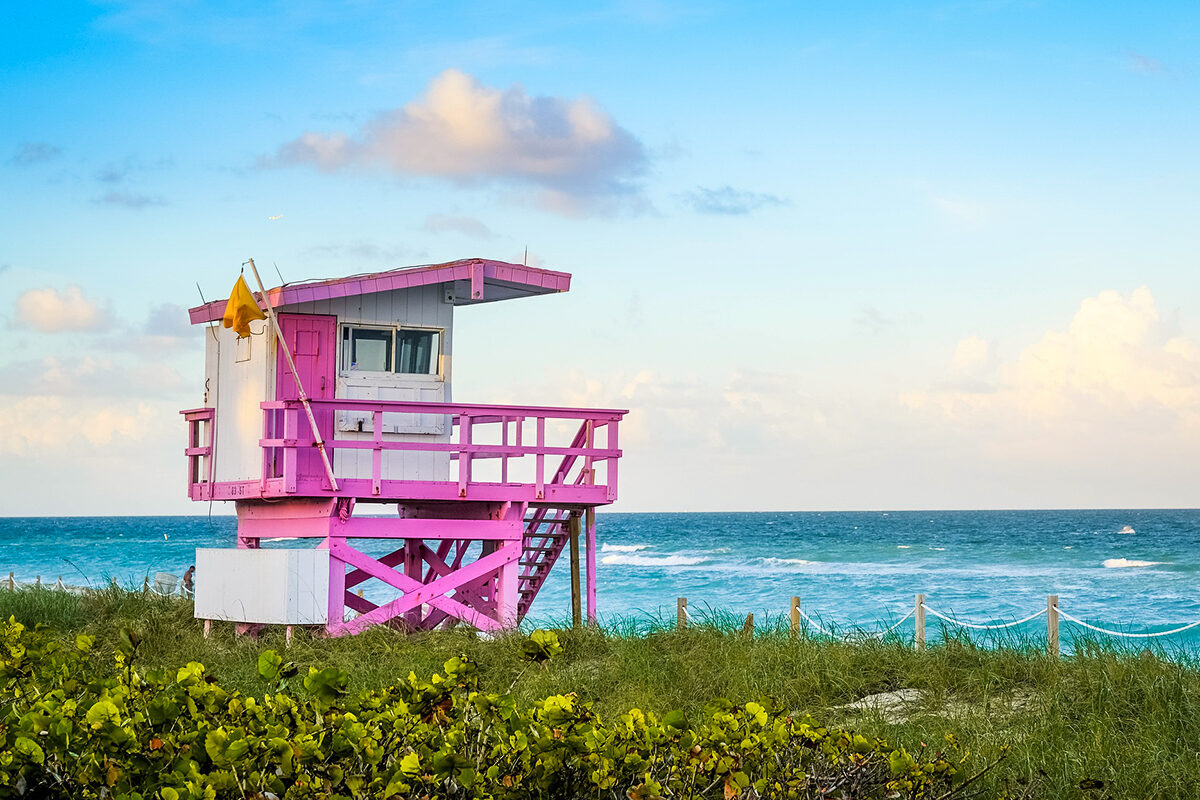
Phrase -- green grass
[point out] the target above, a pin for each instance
(1130, 719)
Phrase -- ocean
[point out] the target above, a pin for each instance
(1133, 570)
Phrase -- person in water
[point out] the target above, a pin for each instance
(189, 583)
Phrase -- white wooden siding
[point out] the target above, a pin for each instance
(235, 389)
(423, 307)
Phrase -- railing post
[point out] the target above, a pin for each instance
(464, 456)
(1052, 625)
(610, 465)
(794, 614)
(377, 452)
(504, 443)
(540, 476)
(681, 613)
(919, 615)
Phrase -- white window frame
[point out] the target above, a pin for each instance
(438, 375)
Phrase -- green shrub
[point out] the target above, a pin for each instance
(75, 724)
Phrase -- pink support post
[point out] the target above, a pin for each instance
(590, 517)
(337, 591)
(414, 567)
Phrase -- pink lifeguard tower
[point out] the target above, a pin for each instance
(476, 502)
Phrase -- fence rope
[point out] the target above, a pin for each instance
(883, 633)
(813, 622)
(979, 627)
(1123, 634)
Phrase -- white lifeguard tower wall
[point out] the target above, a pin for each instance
(240, 374)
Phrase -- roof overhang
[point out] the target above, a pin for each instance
(470, 281)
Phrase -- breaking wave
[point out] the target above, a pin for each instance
(635, 560)
(623, 548)
(771, 561)
(1119, 563)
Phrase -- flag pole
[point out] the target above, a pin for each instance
(312, 421)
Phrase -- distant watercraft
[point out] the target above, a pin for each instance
(1127, 529)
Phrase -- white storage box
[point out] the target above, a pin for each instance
(275, 587)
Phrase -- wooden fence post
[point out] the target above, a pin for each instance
(919, 615)
(748, 627)
(12, 582)
(795, 616)
(681, 613)
(1052, 625)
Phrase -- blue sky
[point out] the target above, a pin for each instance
(933, 255)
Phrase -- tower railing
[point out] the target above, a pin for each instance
(492, 452)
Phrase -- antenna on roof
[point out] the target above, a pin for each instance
(525, 263)
(280, 274)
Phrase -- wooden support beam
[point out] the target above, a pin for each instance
(574, 524)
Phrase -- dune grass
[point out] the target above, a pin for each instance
(1127, 719)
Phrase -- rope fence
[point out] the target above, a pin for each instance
(165, 585)
(802, 623)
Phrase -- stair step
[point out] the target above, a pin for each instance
(541, 549)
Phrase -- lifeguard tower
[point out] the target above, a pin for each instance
(477, 501)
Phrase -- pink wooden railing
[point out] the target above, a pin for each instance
(575, 478)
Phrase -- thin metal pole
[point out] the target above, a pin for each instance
(312, 421)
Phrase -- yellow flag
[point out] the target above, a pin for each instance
(241, 309)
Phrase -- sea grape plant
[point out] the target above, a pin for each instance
(77, 724)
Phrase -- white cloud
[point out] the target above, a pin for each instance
(1116, 362)
(43, 424)
(971, 354)
(467, 226)
(51, 311)
(571, 150)
(89, 376)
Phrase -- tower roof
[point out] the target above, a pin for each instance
(472, 280)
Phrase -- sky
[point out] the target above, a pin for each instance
(829, 255)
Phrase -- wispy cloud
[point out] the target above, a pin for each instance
(873, 320)
(1142, 64)
(364, 251)
(52, 311)
(117, 172)
(570, 150)
(28, 153)
(729, 201)
(467, 226)
(132, 200)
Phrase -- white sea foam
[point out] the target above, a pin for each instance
(1119, 563)
(623, 548)
(904, 547)
(937, 548)
(1127, 529)
(771, 561)
(635, 560)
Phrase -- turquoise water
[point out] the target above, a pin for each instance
(1134, 570)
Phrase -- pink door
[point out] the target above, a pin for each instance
(312, 339)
